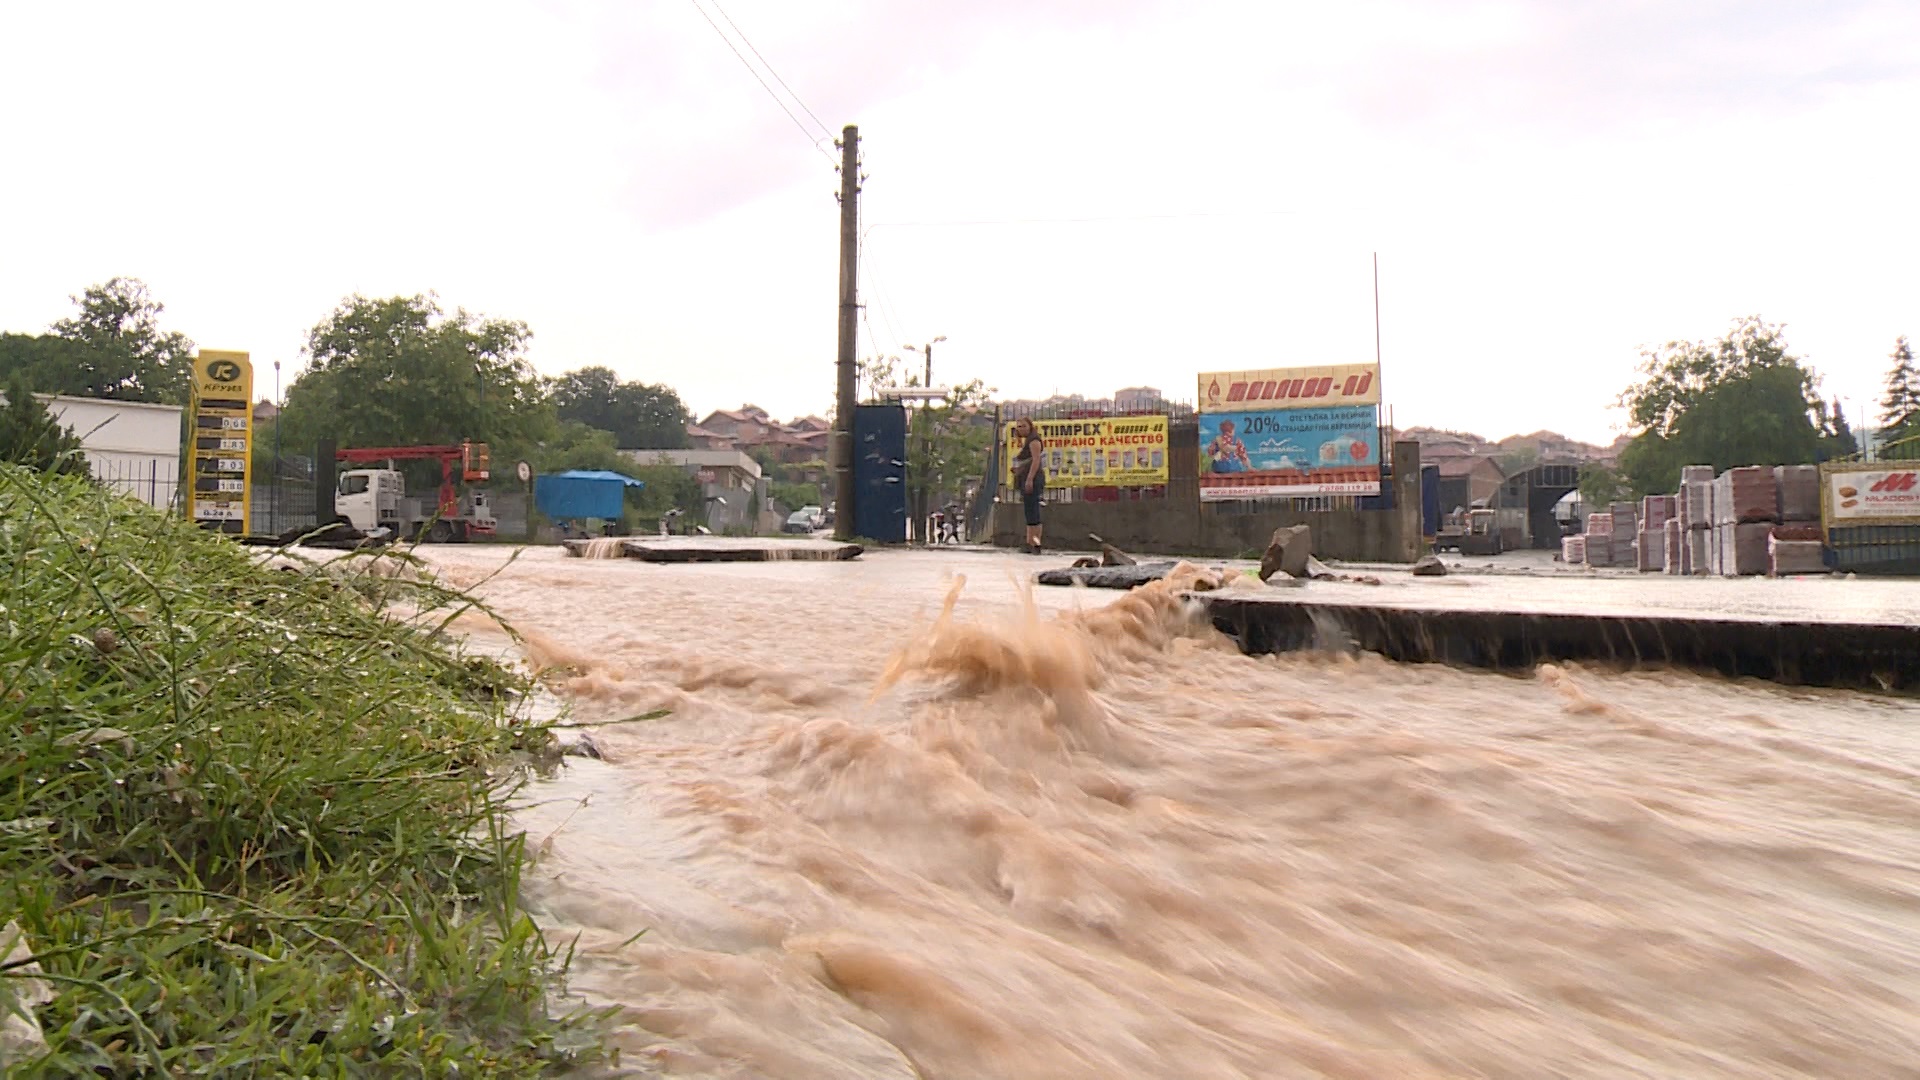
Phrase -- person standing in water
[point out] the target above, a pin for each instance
(1029, 475)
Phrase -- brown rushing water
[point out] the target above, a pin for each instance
(1045, 842)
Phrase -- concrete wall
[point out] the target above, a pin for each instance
(1182, 525)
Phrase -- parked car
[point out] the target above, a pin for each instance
(807, 519)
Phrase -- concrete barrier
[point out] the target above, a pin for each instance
(1876, 656)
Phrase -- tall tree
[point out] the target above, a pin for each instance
(118, 349)
(1741, 400)
(31, 436)
(641, 416)
(52, 363)
(1900, 408)
(400, 372)
(1836, 435)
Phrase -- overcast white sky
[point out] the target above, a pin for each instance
(1549, 185)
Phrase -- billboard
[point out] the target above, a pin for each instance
(1103, 451)
(220, 450)
(1290, 388)
(1873, 493)
(1290, 432)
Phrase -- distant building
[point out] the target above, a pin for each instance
(699, 438)
(1467, 481)
(734, 484)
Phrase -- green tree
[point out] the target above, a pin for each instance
(947, 447)
(43, 360)
(1742, 400)
(946, 442)
(795, 495)
(669, 487)
(1900, 407)
(118, 349)
(1600, 485)
(30, 436)
(641, 416)
(401, 372)
(574, 445)
(1836, 435)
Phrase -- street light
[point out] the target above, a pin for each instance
(277, 467)
(927, 349)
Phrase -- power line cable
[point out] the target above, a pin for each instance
(1075, 220)
(770, 68)
(762, 82)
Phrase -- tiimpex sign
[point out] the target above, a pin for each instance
(1290, 388)
(1872, 494)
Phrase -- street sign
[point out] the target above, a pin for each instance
(526, 472)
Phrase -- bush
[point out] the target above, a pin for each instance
(250, 821)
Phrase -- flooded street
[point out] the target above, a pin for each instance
(1088, 838)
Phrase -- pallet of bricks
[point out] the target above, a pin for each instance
(1624, 542)
(1796, 545)
(1573, 549)
(1695, 506)
(1767, 521)
(1650, 549)
(1597, 541)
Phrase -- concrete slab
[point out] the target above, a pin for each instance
(687, 549)
(1881, 655)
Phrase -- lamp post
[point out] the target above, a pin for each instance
(277, 469)
(922, 493)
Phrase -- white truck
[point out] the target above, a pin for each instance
(376, 498)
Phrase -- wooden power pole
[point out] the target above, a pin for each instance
(848, 397)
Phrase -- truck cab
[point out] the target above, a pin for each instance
(372, 499)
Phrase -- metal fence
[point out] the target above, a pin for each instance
(152, 481)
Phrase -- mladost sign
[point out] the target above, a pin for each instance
(220, 454)
(1871, 493)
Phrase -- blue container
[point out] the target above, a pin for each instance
(880, 473)
(1430, 501)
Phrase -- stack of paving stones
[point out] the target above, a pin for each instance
(1795, 545)
(1651, 544)
(1746, 508)
(1626, 533)
(1675, 539)
(1573, 549)
(1599, 539)
(1696, 519)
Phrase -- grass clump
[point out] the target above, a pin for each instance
(250, 822)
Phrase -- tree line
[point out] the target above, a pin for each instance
(393, 371)
(1744, 399)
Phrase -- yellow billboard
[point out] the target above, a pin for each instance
(220, 447)
(1101, 451)
(1290, 388)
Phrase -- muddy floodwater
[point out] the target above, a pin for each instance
(1081, 836)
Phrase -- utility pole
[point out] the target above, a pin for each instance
(921, 489)
(847, 399)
